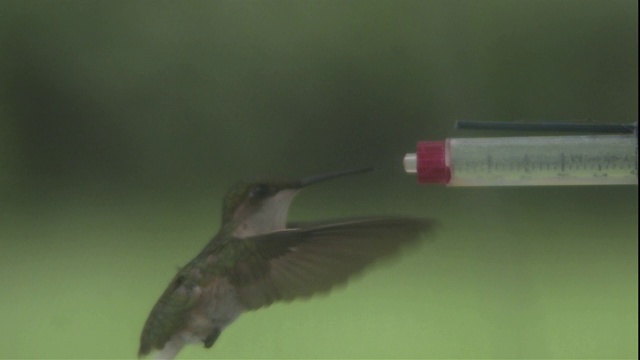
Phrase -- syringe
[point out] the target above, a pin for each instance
(528, 161)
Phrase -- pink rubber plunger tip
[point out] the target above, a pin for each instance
(432, 164)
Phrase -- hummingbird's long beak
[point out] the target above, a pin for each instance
(317, 178)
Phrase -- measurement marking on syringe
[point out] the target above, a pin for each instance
(530, 165)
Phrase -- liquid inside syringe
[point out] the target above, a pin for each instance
(539, 160)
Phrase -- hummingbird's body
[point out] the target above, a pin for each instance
(255, 260)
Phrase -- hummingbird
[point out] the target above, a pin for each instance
(257, 258)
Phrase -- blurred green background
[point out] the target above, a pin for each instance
(122, 123)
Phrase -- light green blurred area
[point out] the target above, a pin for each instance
(123, 123)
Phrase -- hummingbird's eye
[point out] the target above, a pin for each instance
(260, 190)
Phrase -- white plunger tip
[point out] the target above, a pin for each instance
(410, 163)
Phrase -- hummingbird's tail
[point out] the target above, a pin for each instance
(171, 348)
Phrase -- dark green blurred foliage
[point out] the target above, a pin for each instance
(123, 122)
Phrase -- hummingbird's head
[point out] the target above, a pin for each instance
(261, 205)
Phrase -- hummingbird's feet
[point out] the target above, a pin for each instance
(209, 340)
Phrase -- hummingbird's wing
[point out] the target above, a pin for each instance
(314, 257)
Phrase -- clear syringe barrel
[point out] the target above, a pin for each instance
(527, 161)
